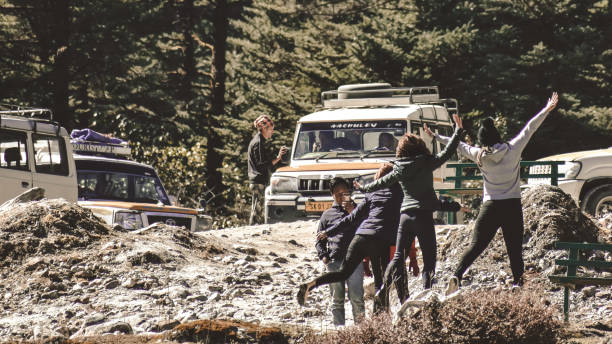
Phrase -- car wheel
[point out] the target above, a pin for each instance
(599, 201)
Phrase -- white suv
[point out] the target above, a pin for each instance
(35, 152)
(356, 131)
(588, 178)
(126, 192)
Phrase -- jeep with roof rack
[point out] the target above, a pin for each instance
(122, 191)
(35, 151)
(356, 130)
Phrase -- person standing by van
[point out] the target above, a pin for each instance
(261, 164)
(414, 171)
(499, 163)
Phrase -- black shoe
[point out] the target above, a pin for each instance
(427, 279)
(380, 297)
(302, 294)
(518, 283)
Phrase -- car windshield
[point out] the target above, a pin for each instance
(337, 140)
(118, 186)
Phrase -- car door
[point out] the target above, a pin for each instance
(15, 174)
(52, 167)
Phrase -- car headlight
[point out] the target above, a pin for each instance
(571, 169)
(128, 220)
(280, 184)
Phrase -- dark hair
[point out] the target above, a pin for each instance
(385, 169)
(411, 145)
(488, 134)
(337, 182)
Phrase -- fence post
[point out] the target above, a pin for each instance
(554, 170)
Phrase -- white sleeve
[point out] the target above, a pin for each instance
(521, 140)
(463, 148)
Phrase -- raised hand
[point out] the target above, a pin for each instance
(356, 185)
(458, 120)
(552, 102)
(427, 130)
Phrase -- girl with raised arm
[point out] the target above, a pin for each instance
(414, 171)
(499, 163)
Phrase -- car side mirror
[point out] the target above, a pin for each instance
(203, 203)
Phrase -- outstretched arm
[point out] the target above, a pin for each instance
(521, 140)
(350, 221)
(463, 148)
(383, 182)
(445, 154)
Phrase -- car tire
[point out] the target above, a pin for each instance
(599, 200)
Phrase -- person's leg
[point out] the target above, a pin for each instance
(512, 228)
(337, 292)
(355, 253)
(257, 203)
(426, 233)
(395, 272)
(485, 227)
(355, 293)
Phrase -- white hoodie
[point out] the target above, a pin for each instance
(501, 167)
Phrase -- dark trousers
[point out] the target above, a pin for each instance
(507, 214)
(413, 223)
(360, 247)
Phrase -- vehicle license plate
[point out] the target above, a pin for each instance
(318, 207)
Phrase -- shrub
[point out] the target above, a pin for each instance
(478, 317)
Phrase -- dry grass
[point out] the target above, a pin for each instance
(479, 317)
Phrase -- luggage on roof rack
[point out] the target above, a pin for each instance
(89, 142)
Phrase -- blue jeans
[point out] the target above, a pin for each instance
(355, 293)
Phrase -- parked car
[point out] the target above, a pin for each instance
(125, 192)
(588, 178)
(35, 151)
(356, 131)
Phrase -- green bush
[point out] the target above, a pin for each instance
(478, 317)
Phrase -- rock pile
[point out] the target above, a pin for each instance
(46, 227)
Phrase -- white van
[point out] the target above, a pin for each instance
(35, 152)
(356, 131)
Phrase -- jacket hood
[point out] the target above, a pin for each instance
(497, 153)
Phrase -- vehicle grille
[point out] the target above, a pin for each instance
(317, 185)
(171, 220)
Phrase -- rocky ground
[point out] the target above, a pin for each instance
(64, 275)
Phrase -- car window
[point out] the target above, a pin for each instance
(13, 150)
(50, 155)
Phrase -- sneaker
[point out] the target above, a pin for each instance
(453, 285)
(302, 294)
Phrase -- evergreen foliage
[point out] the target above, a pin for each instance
(146, 70)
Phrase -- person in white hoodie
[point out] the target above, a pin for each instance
(499, 163)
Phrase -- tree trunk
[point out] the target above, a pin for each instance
(186, 92)
(213, 159)
(60, 78)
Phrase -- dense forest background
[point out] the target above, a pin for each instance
(182, 80)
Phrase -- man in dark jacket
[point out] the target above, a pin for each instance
(332, 251)
(261, 164)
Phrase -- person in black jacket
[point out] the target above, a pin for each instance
(260, 165)
(332, 251)
(414, 171)
(377, 218)
(374, 222)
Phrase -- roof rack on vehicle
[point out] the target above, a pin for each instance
(382, 94)
(22, 111)
(35, 115)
